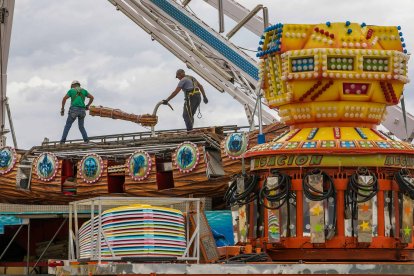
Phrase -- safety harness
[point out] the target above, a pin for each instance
(188, 94)
(78, 94)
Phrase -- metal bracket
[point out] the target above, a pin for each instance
(272, 182)
(365, 180)
(240, 184)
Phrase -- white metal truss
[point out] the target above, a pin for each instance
(237, 12)
(6, 21)
(198, 54)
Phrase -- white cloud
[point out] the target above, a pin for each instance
(55, 42)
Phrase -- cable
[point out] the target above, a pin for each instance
(233, 197)
(254, 51)
(319, 195)
(315, 194)
(364, 192)
(277, 195)
(405, 185)
(251, 257)
(359, 193)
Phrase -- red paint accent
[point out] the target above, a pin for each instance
(337, 132)
(316, 29)
(297, 183)
(392, 93)
(389, 93)
(323, 89)
(341, 185)
(369, 33)
(332, 36)
(307, 93)
(354, 87)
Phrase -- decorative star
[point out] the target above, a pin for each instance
(317, 210)
(242, 214)
(407, 231)
(407, 210)
(365, 207)
(365, 226)
(318, 228)
(273, 229)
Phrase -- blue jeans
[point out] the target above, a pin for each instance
(75, 112)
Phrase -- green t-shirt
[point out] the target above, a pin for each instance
(77, 96)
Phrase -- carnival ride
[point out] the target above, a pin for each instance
(332, 183)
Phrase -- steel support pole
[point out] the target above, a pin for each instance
(265, 18)
(198, 232)
(221, 16)
(76, 230)
(11, 122)
(48, 245)
(28, 248)
(70, 245)
(239, 25)
(99, 232)
(186, 2)
(10, 242)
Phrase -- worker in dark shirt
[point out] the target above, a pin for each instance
(192, 96)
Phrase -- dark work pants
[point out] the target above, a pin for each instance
(191, 104)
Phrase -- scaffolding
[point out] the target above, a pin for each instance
(98, 205)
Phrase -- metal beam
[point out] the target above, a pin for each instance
(6, 21)
(11, 241)
(221, 16)
(28, 248)
(242, 22)
(237, 12)
(48, 245)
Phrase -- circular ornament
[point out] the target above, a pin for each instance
(186, 157)
(235, 145)
(91, 168)
(8, 159)
(46, 166)
(139, 165)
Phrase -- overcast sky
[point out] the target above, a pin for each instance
(55, 42)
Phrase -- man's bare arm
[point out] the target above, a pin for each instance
(205, 100)
(90, 97)
(64, 101)
(173, 94)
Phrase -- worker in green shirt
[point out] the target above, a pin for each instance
(77, 109)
